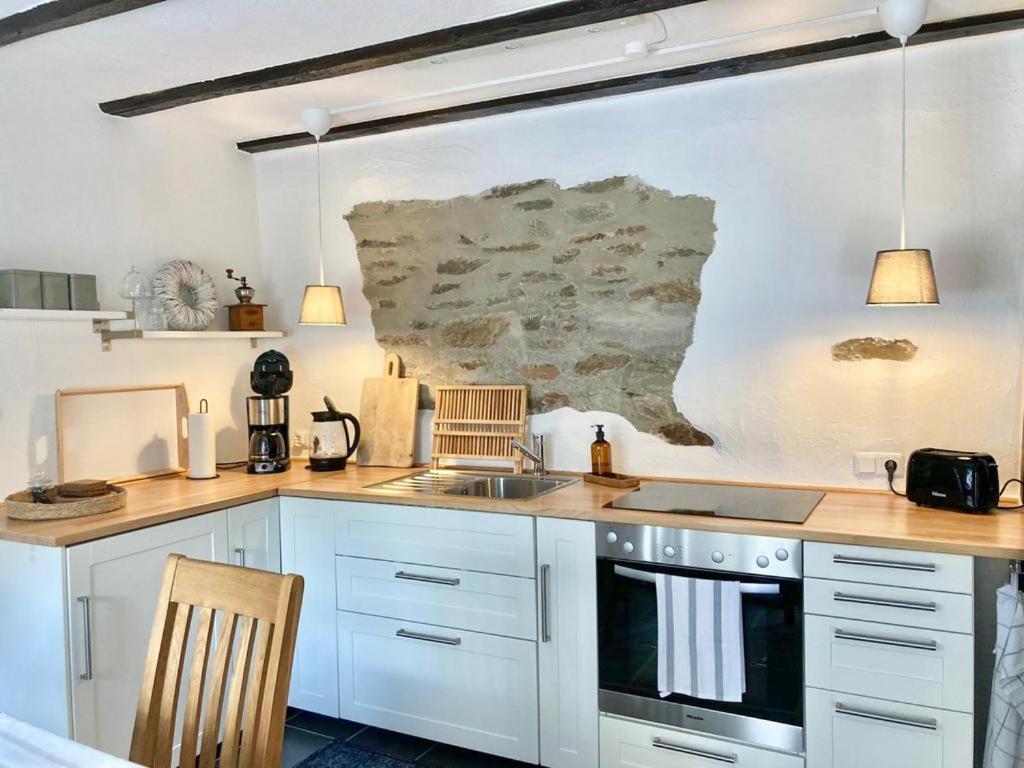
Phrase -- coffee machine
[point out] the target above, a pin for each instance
(267, 413)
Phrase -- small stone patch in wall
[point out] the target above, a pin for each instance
(874, 348)
(587, 294)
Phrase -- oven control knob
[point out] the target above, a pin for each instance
(781, 555)
(669, 551)
(717, 557)
(627, 547)
(762, 561)
(612, 537)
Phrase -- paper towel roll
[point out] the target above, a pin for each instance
(202, 447)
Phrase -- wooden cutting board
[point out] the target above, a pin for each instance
(387, 414)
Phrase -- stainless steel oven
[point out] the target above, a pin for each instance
(770, 570)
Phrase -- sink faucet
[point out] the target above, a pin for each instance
(536, 455)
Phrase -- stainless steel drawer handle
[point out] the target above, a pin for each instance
(428, 638)
(658, 743)
(545, 618)
(928, 725)
(240, 551)
(86, 638)
(925, 645)
(428, 579)
(839, 597)
(895, 564)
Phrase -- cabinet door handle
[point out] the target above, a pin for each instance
(658, 743)
(839, 597)
(428, 638)
(428, 579)
(86, 638)
(240, 551)
(928, 725)
(545, 618)
(895, 564)
(923, 645)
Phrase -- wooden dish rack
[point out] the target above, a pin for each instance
(478, 422)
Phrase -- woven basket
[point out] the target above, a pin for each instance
(19, 506)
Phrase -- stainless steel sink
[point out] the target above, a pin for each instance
(475, 485)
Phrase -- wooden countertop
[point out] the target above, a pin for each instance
(846, 517)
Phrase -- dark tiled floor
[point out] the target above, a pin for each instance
(307, 733)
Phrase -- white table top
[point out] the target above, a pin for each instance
(25, 746)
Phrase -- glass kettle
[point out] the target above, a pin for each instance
(331, 444)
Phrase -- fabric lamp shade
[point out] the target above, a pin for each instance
(903, 277)
(322, 305)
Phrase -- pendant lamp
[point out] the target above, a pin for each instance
(903, 276)
(321, 304)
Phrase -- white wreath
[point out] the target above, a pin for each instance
(188, 295)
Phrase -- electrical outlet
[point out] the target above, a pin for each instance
(872, 463)
(299, 440)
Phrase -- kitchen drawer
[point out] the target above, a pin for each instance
(917, 666)
(890, 605)
(631, 744)
(464, 688)
(845, 731)
(448, 538)
(482, 602)
(892, 567)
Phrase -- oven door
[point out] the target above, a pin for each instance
(771, 711)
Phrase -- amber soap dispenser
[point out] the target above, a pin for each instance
(601, 454)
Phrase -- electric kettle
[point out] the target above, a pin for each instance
(331, 445)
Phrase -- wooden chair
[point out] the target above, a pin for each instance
(264, 609)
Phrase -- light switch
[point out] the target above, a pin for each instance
(865, 463)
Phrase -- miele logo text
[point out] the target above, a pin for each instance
(694, 717)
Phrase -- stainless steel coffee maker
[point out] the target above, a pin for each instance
(267, 414)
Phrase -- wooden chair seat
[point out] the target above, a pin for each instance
(258, 615)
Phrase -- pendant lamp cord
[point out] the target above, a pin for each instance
(903, 152)
(320, 212)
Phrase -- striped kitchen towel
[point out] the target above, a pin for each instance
(1004, 741)
(700, 638)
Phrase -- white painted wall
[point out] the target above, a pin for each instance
(803, 165)
(83, 192)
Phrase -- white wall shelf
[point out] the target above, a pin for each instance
(61, 314)
(108, 335)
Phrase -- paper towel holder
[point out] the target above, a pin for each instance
(204, 409)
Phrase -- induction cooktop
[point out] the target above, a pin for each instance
(779, 505)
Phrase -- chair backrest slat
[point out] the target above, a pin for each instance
(262, 610)
(254, 696)
(218, 684)
(196, 688)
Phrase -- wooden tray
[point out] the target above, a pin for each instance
(19, 506)
(614, 480)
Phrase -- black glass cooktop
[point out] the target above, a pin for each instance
(779, 505)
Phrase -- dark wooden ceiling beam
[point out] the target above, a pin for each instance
(534, 21)
(59, 14)
(715, 70)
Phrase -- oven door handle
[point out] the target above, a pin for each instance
(659, 743)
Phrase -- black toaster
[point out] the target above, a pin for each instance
(959, 480)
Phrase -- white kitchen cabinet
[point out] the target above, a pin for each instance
(254, 535)
(632, 744)
(307, 549)
(845, 731)
(465, 688)
(567, 649)
(113, 585)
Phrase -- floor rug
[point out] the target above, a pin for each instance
(342, 755)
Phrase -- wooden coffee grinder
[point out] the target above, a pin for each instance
(244, 316)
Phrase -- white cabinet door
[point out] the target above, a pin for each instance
(307, 548)
(567, 652)
(464, 688)
(113, 585)
(254, 533)
(845, 731)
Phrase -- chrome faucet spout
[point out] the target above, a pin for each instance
(535, 455)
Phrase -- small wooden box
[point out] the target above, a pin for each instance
(245, 317)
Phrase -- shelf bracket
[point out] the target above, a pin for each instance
(102, 327)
